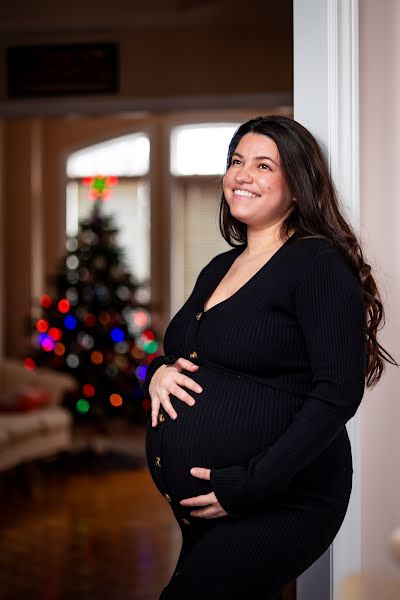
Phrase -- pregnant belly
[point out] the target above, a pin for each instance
(233, 420)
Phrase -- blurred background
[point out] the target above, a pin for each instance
(109, 192)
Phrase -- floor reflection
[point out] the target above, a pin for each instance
(82, 536)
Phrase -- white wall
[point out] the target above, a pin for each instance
(380, 230)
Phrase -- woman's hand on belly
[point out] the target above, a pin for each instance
(214, 509)
(168, 380)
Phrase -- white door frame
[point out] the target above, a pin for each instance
(326, 101)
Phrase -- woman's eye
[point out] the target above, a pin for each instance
(235, 161)
(265, 166)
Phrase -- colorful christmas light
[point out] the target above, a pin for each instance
(117, 335)
(72, 361)
(29, 363)
(150, 347)
(100, 186)
(47, 343)
(96, 357)
(90, 320)
(55, 333)
(115, 400)
(88, 390)
(63, 306)
(42, 325)
(82, 406)
(45, 301)
(141, 317)
(70, 322)
(59, 349)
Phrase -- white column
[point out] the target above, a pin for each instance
(326, 102)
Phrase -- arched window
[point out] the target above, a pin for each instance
(126, 158)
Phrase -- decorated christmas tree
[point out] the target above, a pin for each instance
(95, 326)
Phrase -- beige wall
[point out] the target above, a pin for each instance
(380, 227)
(174, 63)
(167, 50)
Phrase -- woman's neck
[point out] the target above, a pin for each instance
(262, 241)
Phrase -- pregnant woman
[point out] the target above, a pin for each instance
(264, 365)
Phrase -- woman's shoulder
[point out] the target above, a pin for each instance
(312, 244)
(318, 257)
(310, 248)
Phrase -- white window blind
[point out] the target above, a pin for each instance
(202, 238)
(130, 207)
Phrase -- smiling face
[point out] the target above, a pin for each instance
(254, 185)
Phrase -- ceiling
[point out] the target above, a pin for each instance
(25, 16)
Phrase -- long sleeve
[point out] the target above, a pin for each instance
(330, 312)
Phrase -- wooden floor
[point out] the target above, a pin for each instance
(80, 536)
(87, 536)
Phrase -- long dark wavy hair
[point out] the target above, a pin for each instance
(316, 213)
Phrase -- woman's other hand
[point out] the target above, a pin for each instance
(213, 508)
(168, 380)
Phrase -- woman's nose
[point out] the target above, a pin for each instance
(243, 175)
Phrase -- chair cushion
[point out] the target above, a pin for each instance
(23, 398)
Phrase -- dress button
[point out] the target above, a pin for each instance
(167, 497)
(198, 316)
(193, 355)
(185, 522)
(158, 462)
(161, 418)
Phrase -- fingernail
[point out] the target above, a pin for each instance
(200, 390)
(192, 403)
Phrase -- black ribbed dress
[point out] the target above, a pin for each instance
(282, 367)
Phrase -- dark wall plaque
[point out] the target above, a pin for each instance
(60, 70)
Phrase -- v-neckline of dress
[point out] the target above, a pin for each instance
(249, 281)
